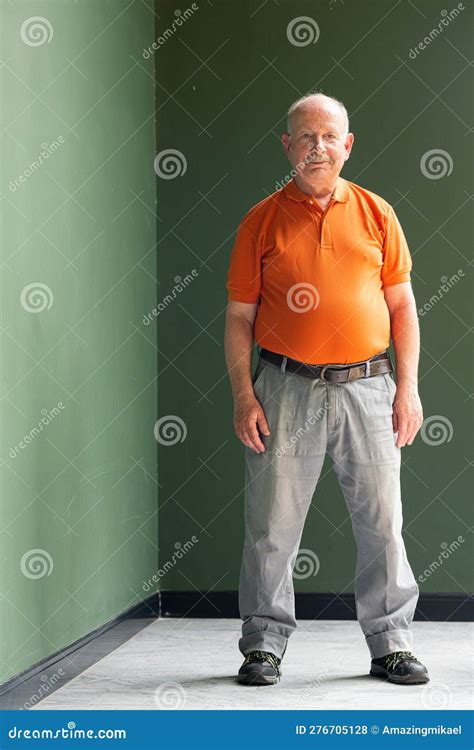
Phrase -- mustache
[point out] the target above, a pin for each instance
(318, 160)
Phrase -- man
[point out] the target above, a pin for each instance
(320, 275)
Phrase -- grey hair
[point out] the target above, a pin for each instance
(310, 97)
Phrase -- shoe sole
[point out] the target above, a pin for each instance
(256, 678)
(409, 679)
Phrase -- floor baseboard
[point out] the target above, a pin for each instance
(310, 606)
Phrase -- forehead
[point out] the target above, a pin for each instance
(318, 115)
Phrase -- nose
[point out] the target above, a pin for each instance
(317, 145)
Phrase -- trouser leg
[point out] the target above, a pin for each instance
(367, 464)
(279, 485)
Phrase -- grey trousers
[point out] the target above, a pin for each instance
(352, 422)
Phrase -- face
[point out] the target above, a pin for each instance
(317, 147)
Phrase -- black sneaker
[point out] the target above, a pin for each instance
(400, 667)
(260, 668)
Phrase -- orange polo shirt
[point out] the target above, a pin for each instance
(318, 275)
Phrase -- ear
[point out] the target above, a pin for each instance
(286, 141)
(348, 144)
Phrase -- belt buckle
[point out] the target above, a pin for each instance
(321, 374)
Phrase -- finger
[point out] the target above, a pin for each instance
(402, 431)
(409, 431)
(410, 427)
(254, 437)
(247, 442)
(414, 432)
(262, 423)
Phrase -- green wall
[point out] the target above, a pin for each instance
(81, 487)
(232, 73)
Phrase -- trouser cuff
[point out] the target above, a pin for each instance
(388, 641)
(264, 640)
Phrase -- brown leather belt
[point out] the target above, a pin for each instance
(376, 365)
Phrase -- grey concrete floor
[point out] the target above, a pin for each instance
(192, 663)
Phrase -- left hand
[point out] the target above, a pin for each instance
(407, 416)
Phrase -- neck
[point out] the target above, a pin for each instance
(317, 191)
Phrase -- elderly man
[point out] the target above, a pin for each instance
(319, 275)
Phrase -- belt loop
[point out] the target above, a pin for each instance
(283, 363)
(367, 369)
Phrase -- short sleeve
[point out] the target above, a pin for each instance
(244, 274)
(397, 262)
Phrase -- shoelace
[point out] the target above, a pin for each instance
(393, 659)
(263, 656)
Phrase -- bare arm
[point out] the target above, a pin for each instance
(407, 409)
(238, 344)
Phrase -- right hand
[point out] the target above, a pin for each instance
(248, 415)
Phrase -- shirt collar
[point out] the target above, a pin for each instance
(340, 194)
